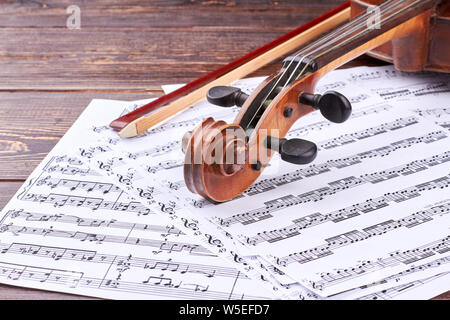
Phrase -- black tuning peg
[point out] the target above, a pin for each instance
(226, 96)
(297, 151)
(333, 105)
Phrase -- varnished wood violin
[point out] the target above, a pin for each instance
(222, 160)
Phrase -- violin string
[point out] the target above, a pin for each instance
(364, 31)
(388, 5)
(353, 25)
(354, 37)
(341, 34)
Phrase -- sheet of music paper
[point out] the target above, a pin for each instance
(368, 219)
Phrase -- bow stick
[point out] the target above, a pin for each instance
(163, 108)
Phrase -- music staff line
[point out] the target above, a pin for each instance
(334, 187)
(414, 90)
(191, 123)
(61, 200)
(346, 139)
(331, 86)
(348, 238)
(111, 163)
(336, 216)
(384, 74)
(435, 112)
(316, 169)
(90, 152)
(72, 170)
(164, 165)
(155, 151)
(320, 125)
(406, 257)
(62, 253)
(162, 245)
(396, 277)
(68, 159)
(72, 185)
(86, 222)
(390, 293)
(445, 125)
(163, 287)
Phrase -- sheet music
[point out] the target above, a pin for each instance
(70, 229)
(426, 288)
(385, 133)
(126, 226)
(104, 159)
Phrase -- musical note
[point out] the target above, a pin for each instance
(156, 151)
(321, 125)
(353, 236)
(157, 287)
(364, 188)
(400, 290)
(319, 168)
(344, 214)
(87, 222)
(334, 187)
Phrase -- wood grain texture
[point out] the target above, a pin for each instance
(136, 44)
(124, 50)
(31, 123)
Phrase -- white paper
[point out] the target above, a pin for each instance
(70, 229)
(385, 140)
(397, 135)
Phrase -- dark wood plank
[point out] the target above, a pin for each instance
(31, 123)
(115, 59)
(136, 44)
(118, 59)
(444, 296)
(229, 14)
(238, 15)
(19, 293)
(7, 191)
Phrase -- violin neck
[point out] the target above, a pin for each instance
(380, 24)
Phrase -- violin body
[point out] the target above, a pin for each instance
(426, 47)
(222, 160)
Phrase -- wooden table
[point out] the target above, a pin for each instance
(123, 50)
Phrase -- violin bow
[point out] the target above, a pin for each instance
(165, 107)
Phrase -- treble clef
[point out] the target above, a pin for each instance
(144, 194)
(189, 224)
(281, 262)
(104, 166)
(237, 258)
(85, 153)
(124, 180)
(167, 208)
(214, 241)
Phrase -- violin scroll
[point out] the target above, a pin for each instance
(222, 160)
(214, 152)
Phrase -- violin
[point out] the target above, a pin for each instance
(222, 160)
